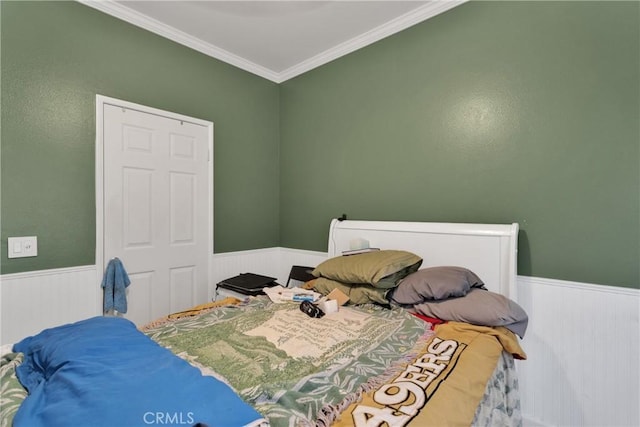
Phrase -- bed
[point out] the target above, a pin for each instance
(257, 363)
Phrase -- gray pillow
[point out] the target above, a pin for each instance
(479, 307)
(435, 283)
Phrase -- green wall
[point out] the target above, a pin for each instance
(56, 56)
(491, 112)
(521, 112)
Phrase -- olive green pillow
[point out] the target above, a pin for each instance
(380, 269)
(358, 294)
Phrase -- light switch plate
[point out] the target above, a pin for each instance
(20, 247)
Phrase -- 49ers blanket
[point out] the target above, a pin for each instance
(442, 386)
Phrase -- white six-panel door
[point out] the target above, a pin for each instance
(156, 213)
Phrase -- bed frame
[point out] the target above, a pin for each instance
(489, 250)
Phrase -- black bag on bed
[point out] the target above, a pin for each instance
(248, 283)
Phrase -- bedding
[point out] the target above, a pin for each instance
(358, 294)
(435, 283)
(442, 385)
(380, 269)
(288, 366)
(478, 307)
(446, 293)
(11, 392)
(299, 371)
(103, 372)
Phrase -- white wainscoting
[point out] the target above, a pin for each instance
(582, 343)
(37, 300)
(583, 347)
(290, 257)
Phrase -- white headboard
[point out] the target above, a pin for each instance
(489, 250)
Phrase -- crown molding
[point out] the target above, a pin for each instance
(387, 29)
(396, 25)
(131, 16)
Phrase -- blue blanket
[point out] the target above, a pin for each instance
(104, 372)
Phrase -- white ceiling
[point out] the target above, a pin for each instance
(277, 40)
